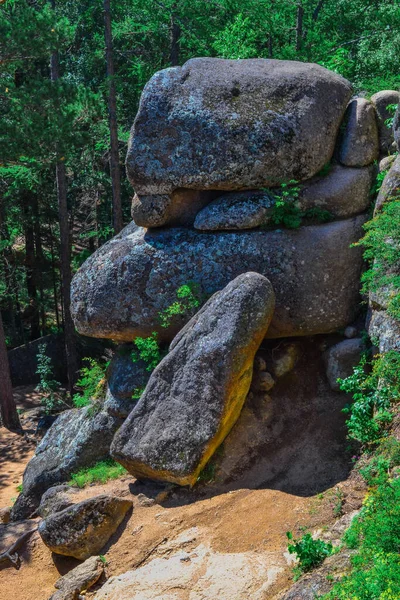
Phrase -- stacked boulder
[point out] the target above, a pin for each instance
(210, 148)
(216, 148)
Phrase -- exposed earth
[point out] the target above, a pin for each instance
(222, 517)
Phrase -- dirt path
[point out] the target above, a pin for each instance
(233, 517)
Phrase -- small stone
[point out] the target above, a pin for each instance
(340, 360)
(180, 207)
(259, 363)
(83, 529)
(350, 332)
(390, 186)
(360, 143)
(265, 381)
(5, 514)
(77, 580)
(382, 100)
(284, 359)
(386, 163)
(239, 210)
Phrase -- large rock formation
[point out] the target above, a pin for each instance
(76, 440)
(234, 124)
(196, 393)
(120, 290)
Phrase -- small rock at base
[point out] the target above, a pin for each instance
(340, 360)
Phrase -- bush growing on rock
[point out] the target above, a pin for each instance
(91, 383)
(309, 551)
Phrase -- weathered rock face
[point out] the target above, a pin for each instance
(360, 144)
(178, 208)
(75, 440)
(120, 290)
(390, 186)
(83, 529)
(198, 574)
(382, 100)
(234, 124)
(238, 210)
(81, 578)
(125, 379)
(340, 360)
(196, 393)
(344, 192)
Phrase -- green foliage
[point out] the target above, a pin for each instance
(286, 210)
(374, 387)
(137, 392)
(91, 383)
(375, 534)
(382, 250)
(50, 388)
(188, 300)
(391, 108)
(377, 469)
(309, 551)
(148, 350)
(101, 472)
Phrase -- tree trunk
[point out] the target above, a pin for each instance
(31, 313)
(39, 265)
(8, 409)
(175, 36)
(299, 27)
(113, 124)
(65, 250)
(317, 10)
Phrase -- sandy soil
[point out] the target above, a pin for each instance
(309, 485)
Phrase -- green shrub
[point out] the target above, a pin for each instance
(101, 472)
(91, 383)
(374, 387)
(188, 299)
(148, 350)
(375, 534)
(52, 396)
(382, 250)
(310, 552)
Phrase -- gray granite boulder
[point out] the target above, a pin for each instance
(195, 395)
(83, 529)
(178, 208)
(381, 101)
(360, 142)
(78, 580)
(383, 330)
(125, 380)
(390, 186)
(234, 124)
(238, 210)
(340, 360)
(120, 290)
(344, 191)
(77, 439)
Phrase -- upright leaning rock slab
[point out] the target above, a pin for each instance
(196, 393)
(234, 124)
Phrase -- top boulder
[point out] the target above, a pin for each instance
(234, 124)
